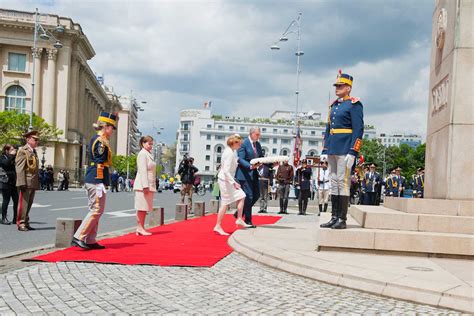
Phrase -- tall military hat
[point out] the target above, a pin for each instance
(343, 79)
(108, 118)
(34, 134)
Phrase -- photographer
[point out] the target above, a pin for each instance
(187, 173)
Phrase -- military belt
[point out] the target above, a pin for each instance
(333, 131)
(92, 164)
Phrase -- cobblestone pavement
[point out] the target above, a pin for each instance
(236, 285)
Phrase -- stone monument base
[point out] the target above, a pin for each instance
(428, 227)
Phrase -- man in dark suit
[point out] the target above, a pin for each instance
(370, 185)
(247, 174)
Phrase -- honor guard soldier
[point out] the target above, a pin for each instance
(420, 182)
(97, 179)
(27, 179)
(342, 143)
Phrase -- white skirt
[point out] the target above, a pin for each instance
(228, 193)
(144, 201)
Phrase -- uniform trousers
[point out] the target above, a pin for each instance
(263, 193)
(340, 175)
(87, 232)
(323, 196)
(24, 206)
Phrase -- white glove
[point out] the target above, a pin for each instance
(323, 157)
(100, 189)
(349, 161)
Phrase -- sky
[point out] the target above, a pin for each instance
(177, 55)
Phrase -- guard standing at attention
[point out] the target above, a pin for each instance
(97, 179)
(27, 179)
(342, 143)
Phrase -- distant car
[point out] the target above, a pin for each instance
(177, 187)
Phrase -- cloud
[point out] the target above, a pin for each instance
(179, 54)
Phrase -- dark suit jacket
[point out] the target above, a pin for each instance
(245, 154)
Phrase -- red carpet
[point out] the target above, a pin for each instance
(188, 243)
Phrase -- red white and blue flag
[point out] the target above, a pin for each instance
(297, 148)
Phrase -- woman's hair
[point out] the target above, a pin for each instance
(145, 139)
(6, 148)
(233, 139)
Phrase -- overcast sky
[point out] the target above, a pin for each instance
(179, 54)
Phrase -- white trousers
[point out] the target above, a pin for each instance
(340, 175)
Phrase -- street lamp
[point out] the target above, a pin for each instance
(294, 27)
(46, 36)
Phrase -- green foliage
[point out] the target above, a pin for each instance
(13, 125)
(119, 163)
(405, 157)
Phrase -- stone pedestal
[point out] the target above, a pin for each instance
(65, 229)
(214, 206)
(181, 213)
(199, 208)
(157, 217)
(450, 144)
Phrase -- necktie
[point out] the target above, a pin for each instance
(254, 146)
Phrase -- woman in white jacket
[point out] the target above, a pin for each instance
(145, 183)
(229, 188)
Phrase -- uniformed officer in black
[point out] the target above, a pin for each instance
(420, 182)
(97, 179)
(342, 143)
(370, 185)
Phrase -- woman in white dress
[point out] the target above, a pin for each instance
(229, 188)
(145, 183)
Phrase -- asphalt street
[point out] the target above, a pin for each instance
(49, 206)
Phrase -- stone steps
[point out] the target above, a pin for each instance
(389, 240)
(379, 217)
(431, 206)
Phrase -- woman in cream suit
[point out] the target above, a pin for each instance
(230, 189)
(145, 183)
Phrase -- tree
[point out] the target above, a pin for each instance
(13, 125)
(169, 156)
(119, 163)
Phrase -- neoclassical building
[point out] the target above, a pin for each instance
(67, 93)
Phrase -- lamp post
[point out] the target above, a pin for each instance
(294, 27)
(296, 23)
(45, 35)
(43, 160)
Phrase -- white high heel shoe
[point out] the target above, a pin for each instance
(240, 222)
(220, 231)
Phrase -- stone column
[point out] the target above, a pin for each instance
(73, 115)
(449, 144)
(37, 52)
(49, 91)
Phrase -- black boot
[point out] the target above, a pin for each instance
(281, 207)
(325, 208)
(320, 208)
(305, 206)
(334, 212)
(343, 206)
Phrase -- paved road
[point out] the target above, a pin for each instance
(48, 206)
(234, 286)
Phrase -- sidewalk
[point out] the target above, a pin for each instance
(290, 245)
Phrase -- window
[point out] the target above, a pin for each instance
(206, 168)
(209, 125)
(274, 151)
(208, 147)
(231, 128)
(284, 152)
(16, 62)
(185, 137)
(242, 128)
(313, 132)
(275, 130)
(220, 126)
(208, 136)
(15, 99)
(208, 157)
(264, 140)
(219, 137)
(186, 126)
(264, 130)
(285, 131)
(219, 149)
(285, 141)
(275, 140)
(218, 160)
(366, 136)
(185, 147)
(313, 143)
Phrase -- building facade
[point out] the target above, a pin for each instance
(67, 94)
(128, 133)
(202, 135)
(398, 139)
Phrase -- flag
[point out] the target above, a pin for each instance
(207, 105)
(297, 148)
